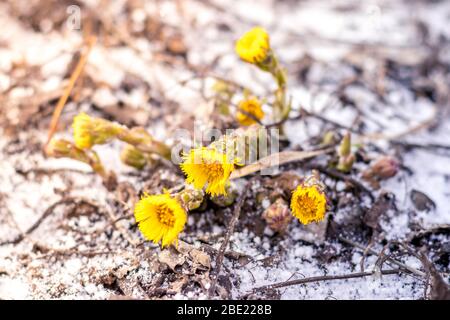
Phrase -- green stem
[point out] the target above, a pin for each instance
(283, 106)
(144, 142)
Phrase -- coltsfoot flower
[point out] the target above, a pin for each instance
(89, 131)
(254, 45)
(249, 110)
(160, 218)
(309, 203)
(207, 166)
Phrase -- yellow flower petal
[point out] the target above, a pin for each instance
(251, 106)
(160, 218)
(253, 46)
(82, 131)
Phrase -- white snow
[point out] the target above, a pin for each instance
(315, 28)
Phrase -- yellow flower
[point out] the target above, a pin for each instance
(160, 218)
(253, 46)
(308, 203)
(252, 107)
(207, 166)
(88, 131)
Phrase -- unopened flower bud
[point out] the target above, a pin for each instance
(133, 157)
(88, 131)
(385, 167)
(329, 138)
(346, 145)
(346, 163)
(221, 87)
(277, 215)
(60, 148)
(346, 157)
(191, 198)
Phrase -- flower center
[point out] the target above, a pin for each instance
(213, 170)
(308, 205)
(165, 215)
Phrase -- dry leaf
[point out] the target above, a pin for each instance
(201, 258)
(179, 284)
(171, 258)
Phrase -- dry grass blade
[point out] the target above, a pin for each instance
(73, 79)
(275, 160)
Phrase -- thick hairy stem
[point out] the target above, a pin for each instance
(144, 142)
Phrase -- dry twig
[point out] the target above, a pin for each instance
(226, 240)
(318, 279)
(393, 261)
